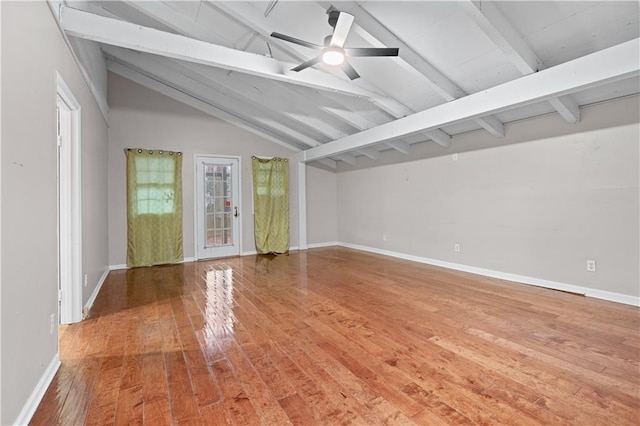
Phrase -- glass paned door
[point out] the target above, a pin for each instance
(217, 212)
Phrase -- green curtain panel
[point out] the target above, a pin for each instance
(154, 207)
(271, 205)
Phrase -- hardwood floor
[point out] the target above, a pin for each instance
(337, 336)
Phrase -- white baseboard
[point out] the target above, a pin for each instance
(38, 393)
(589, 292)
(613, 297)
(124, 265)
(89, 304)
(326, 244)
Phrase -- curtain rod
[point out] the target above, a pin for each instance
(151, 151)
(256, 157)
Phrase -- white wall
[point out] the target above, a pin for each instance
(140, 117)
(322, 206)
(538, 209)
(32, 50)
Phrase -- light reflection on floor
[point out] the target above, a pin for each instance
(219, 318)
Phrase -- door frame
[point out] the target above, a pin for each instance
(69, 210)
(195, 200)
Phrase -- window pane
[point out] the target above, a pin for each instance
(155, 199)
(218, 203)
(154, 185)
(159, 170)
(209, 220)
(219, 221)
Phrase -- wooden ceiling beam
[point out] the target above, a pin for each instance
(149, 67)
(440, 83)
(200, 105)
(606, 66)
(123, 34)
(347, 158)
(370, 152)
(235, 87)
(260, 92)
(401, 146)
(218, 96)
(498, 28)
(177, 21)
(253, 20)
(182, 96)
(247, 91)
(186, 26)
(86, 25)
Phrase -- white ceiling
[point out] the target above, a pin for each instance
(448, 50)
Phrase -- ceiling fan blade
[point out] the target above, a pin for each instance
(341, 30)
(295, 40)
(311, 62)
(372, 51)
(349, 71)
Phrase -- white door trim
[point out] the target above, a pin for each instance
(70, 210)
(195, 199)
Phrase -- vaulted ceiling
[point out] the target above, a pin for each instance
(462, 65)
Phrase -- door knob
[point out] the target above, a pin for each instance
(235, 211)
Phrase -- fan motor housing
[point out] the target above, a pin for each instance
(333, 17)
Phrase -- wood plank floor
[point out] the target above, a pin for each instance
(337, 336)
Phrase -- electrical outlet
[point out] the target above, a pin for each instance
(456, 248)
(591, 265)
(86, 279)
(384, 237)
(52, 324)
(455, 157)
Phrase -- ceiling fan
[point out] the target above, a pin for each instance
(333, 52)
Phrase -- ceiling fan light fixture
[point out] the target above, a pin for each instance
(333, 52)
(333, 56)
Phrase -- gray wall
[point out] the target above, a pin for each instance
(322, 206)
(32, 49)
(140, 117)
(538, 209)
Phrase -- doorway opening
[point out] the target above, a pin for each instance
(69, 190)
(217, 209)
